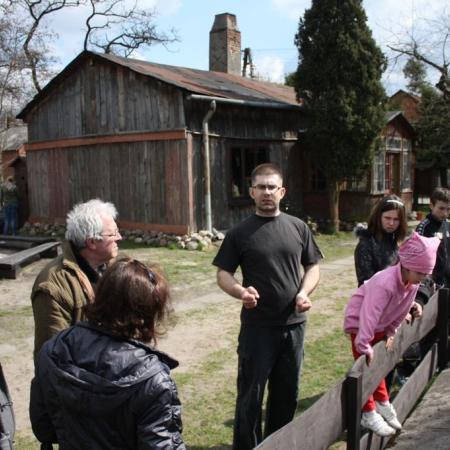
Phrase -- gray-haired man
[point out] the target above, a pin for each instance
(67, 283)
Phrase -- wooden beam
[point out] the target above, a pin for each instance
(353, 393)
(165, 135)
(442, 328)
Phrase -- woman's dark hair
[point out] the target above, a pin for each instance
(388, 203)
(131, 300)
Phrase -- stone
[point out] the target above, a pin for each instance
(192, 245)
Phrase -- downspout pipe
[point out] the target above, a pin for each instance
(207, 165)
(238, 102)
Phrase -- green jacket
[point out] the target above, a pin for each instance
(58, 296)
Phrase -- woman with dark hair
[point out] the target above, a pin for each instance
(98, 384)
(378, 243)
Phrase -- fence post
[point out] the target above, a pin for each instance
(353, 398)
(442, 328)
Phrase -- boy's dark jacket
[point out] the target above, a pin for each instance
(96, 391)
(431, 227)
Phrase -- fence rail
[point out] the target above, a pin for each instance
(339, 409)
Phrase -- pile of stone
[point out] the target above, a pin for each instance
(43, 229)
(201, 240)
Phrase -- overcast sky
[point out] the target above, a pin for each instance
(267, 27)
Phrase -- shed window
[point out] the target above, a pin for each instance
(378, 173)
(394, 143)
(243, 161)
(406, 166)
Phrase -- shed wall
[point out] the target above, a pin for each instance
(103, 98)
(145, 180)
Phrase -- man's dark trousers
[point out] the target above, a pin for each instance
(273, 354)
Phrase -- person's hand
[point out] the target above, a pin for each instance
(409, 318)
(389, 343)
(369, 359)
(416, 310)
(302, 302)
(249, 297)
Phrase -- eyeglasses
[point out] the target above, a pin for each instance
(271, 188)
(115, 233)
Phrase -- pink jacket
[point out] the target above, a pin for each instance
(380, 304)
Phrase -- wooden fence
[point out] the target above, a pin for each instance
(339, 409)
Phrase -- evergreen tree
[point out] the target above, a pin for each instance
(338, 77)
(416, 74)
(433, 131)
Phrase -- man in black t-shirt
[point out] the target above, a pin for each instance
(271, 248)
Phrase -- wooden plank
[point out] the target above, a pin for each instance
(442, 328)
(317, 428)
(353, 391)
(10, 265)
(407, 397)
(162, 135)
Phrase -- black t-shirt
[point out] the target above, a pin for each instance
(270, 251)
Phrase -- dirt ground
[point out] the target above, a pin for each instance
(16, 339)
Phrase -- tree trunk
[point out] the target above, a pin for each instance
(333, 203)
(443, 177)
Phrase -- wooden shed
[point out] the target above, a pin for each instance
(133, 132)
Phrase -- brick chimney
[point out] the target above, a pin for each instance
(225, 45)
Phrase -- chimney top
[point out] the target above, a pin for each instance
(225, 45)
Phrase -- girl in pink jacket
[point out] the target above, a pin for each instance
(377, 309)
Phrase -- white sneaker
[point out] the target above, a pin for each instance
(373, 421)
(389, 415)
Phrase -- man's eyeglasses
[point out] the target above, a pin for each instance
(115, 233)
(271, 188)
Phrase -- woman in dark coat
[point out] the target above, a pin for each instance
(378, 243)
(98, 385)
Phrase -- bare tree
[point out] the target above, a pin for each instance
(429, 43)
(15, 87)
(37, 11)
(116, 28)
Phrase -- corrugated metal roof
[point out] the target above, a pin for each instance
(210, 83)
(192, 80)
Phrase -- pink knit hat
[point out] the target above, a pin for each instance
(418, 253)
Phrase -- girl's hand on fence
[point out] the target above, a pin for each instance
(416, 310)
(409, 319)
(389, 343)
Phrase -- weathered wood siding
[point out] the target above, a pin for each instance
(241, 122)
(231, 126)
(224, 213)
(102, 98)
(145, 180)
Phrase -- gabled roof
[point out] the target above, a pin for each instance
(389, 116)
(194, 81)
(403, 93)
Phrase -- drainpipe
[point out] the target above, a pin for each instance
(207, 168)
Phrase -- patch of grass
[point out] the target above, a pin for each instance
(23, 311)
(180, 266)
(336, 246)
(327, 360)
(25, 442)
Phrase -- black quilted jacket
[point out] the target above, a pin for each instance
(372, 255)
(94, 391)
